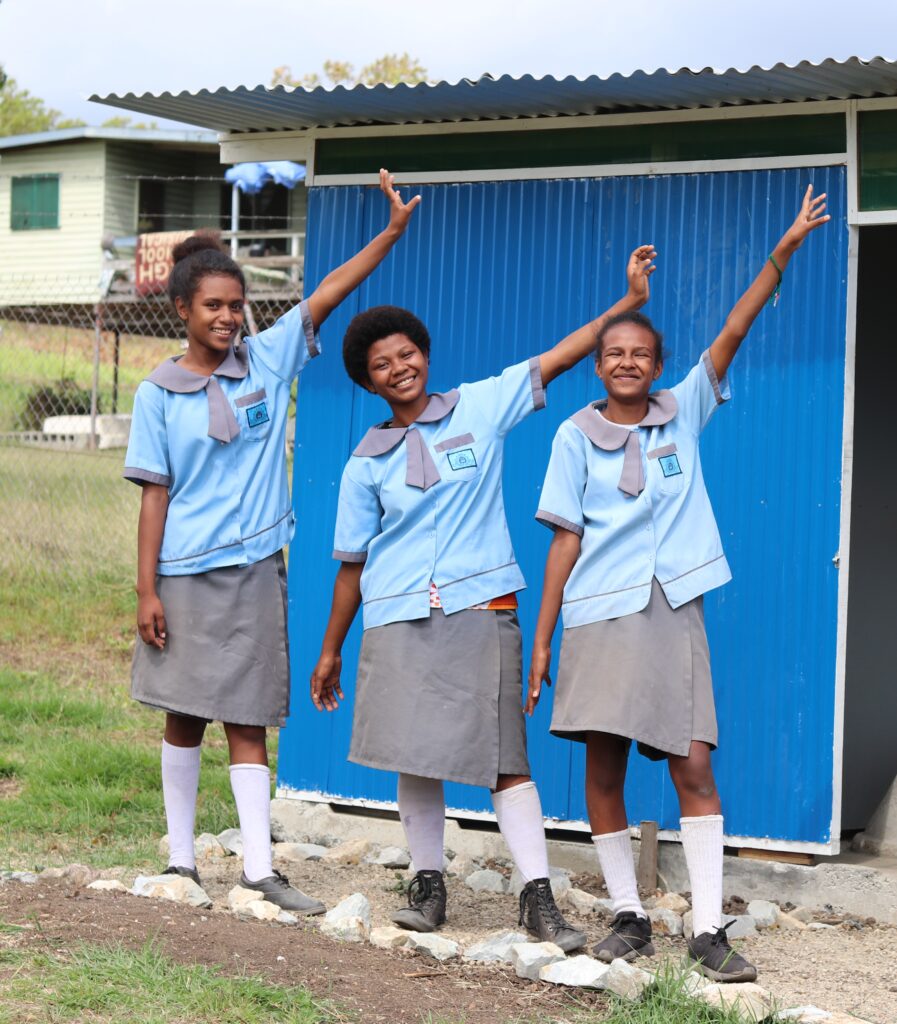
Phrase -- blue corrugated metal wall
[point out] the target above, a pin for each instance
(499, 271)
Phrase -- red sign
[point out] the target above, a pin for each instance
(154, 260)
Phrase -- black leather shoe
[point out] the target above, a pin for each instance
(426, 903)
(540, 915)
(184, 873)
(712, 955)
(276, 889)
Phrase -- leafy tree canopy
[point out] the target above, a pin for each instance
(21, 113)
(389, 69)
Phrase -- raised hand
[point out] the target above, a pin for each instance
(399, 211)
(639, 268)
(811, 216)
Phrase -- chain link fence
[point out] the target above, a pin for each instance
(68, 373)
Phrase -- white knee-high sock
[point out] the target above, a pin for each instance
(702, 841)
(251, 784)
(180, 783)
(615, 857)
(519, 814)
(422, 810)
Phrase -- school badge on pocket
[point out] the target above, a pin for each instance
(669, 465)
(256, 415)
(463, 459)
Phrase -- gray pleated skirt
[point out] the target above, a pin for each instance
(441, 697)
(644, 676)
(227, 655)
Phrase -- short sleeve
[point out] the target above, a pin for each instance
(289, 344)
(700, 394)
(510, 397)
(147, 461)
(358, 517)
(560, 504)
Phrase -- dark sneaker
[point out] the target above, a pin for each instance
(714, 957)
(184, 873)
(276, 889)
(630, 937)
(426, 903)
(540, 916)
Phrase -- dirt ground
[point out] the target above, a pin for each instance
(850, 967)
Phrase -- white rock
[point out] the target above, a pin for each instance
(238, 897)
(231, 841)
(580, 901)
(819, 926)
(354, 906)
(256, 909)
(77, 874)
(665, 922)
(764, 913)
(461, 866)
(688, 924)
(693, 982)
(349, 852)
(577, 971)
(495, 948)
(750, 1002)
(22, 877)
(346, 929)
(390, 857)
(529, 958)
(486, 880)
(171, 887)
(299, 851)
(788, 922)
(627, 981)
(605, 905)
(560, 882)
(207, 847)
(388, 937)
(108, 884)
(430, 944)
(672, 901)
(805, 1014)
(742, 926)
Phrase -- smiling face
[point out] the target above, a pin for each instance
(214, 315)
(628, 363)
(397, 371)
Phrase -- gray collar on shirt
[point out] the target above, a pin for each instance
(610, 437)
(421, 471)
(173, 377)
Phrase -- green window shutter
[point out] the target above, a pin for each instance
(35, 202)
(878, 160)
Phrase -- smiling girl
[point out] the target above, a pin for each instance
(635, 548)
(424, 545)
(207, 447)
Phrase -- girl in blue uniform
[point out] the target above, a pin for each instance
(424, 545)
(207, 446)
(635, 547)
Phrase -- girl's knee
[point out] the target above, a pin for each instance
(693, 776)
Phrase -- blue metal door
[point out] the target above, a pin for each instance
(500, 271)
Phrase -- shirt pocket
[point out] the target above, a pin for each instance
(254, 415)
(667, 468)
(459, 458)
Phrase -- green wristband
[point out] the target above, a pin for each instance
(774, 298)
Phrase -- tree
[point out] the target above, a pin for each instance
(389, 69)
(21, 113)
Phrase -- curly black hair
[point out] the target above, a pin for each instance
(195, 258)
(639, 320)
(372, 326)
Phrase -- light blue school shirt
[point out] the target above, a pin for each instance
(217, 444)
(636, 496)
(425, 503)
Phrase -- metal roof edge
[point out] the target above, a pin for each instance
(197, 137)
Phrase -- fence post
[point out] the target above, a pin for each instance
(95, 385)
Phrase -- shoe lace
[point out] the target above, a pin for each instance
(720, 938)
(282, 881)
(421, 891)
(544, 900)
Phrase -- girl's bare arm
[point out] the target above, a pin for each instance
(150, 527)
(325, 679)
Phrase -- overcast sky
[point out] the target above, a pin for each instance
(65, 50)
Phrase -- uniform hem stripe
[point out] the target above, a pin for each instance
(550, 520)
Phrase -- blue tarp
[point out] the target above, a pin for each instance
(252, 177)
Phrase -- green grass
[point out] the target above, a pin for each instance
(115, 985)
(87, 769)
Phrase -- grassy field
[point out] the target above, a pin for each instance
(35, 355)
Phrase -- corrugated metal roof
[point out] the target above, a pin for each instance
(156, 135)
(487, 98)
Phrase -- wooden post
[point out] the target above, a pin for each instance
(647, 858)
